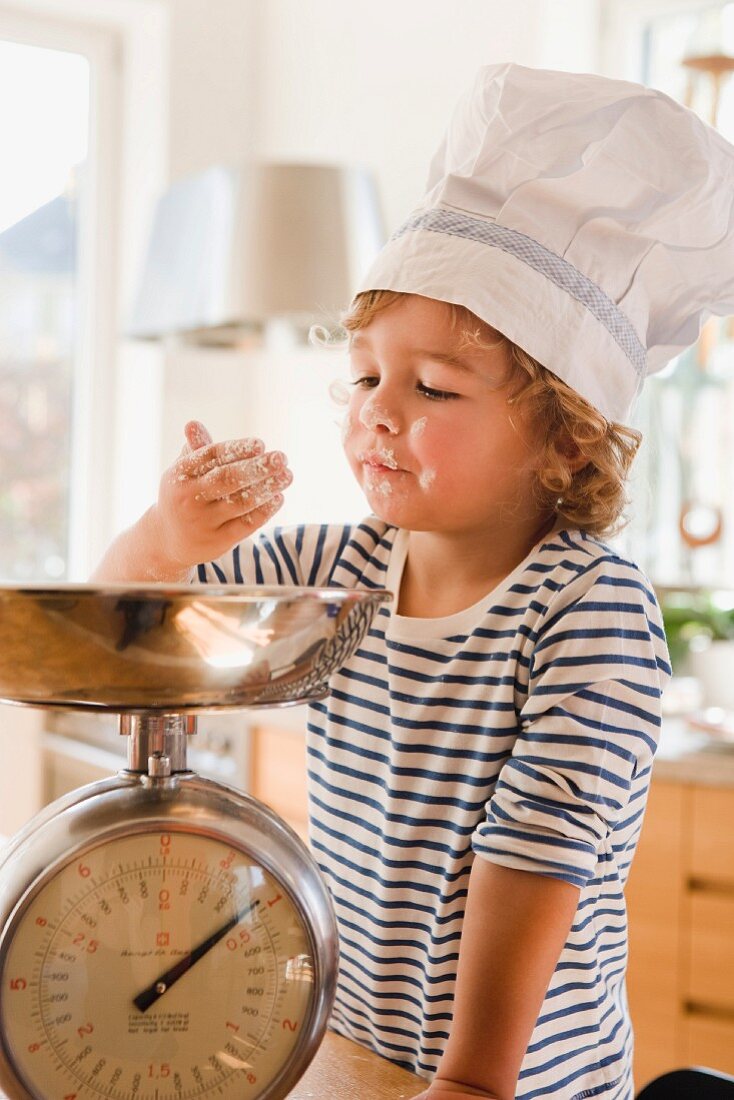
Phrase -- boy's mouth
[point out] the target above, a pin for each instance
(382, 459)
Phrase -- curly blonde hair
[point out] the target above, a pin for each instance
(590, 496)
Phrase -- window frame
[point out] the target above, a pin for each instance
(94, 375)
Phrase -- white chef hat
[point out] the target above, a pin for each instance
(591, 221)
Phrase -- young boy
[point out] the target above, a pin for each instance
(479, 771)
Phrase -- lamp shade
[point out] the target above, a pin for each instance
(234, 247)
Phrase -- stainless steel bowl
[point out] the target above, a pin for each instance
(171, 648)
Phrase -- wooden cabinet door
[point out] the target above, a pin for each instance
(654, 903)
(278, 773)
(709, 917)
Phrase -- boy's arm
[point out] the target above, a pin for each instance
(139, 554)
(515, 926)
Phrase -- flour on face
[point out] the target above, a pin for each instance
(377, 484)
(387, 457)
(373, 416)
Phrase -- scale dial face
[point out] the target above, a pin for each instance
(155, 966)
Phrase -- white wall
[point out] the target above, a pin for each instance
(213, 59)
(375, 83)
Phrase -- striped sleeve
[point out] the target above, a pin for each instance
(308, 554)
(589, 728)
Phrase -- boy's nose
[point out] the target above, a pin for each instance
(375, 416)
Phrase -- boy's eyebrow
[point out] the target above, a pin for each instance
(445, 357)
(427, 353)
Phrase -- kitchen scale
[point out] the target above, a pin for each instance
(162, 936)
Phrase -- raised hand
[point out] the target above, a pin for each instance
(213, 496)
(216, 494)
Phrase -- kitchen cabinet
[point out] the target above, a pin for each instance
(277, 769)
(655, 903)
(680, 899)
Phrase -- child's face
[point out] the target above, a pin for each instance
(427, 461)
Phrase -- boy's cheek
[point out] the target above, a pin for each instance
(436, 444)
(347, 428)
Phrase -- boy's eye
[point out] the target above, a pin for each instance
(368, 381)
(435, 395)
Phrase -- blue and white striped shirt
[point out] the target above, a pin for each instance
(520, 730)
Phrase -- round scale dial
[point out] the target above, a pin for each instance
(155, 966)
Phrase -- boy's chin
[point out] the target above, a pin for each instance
(386, 509)
(400, 514)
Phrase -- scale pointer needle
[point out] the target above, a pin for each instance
(156, 989)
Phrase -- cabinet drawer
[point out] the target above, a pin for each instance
(711, 1043)
(710, 979)
(712, 835)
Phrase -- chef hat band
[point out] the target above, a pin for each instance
(589, 220)
(546, 263)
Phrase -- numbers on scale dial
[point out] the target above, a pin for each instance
(207, 942)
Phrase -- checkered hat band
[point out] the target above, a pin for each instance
(547, 263)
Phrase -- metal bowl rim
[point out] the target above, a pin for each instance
(232, 592)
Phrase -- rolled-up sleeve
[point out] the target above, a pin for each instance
(588, 729)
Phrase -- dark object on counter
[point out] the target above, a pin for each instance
(690, 1084)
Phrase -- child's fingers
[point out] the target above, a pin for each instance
(197, 435)
(245, 525)
(237, 477)
(240, 504)
(198, 463)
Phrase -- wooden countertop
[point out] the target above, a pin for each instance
(688, 756)
(343, 1070)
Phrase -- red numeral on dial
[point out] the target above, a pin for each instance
(164, 1070)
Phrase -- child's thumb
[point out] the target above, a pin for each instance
(196, 435)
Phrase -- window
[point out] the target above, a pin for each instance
(45, 145)
(682, 529)
(56, 205)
